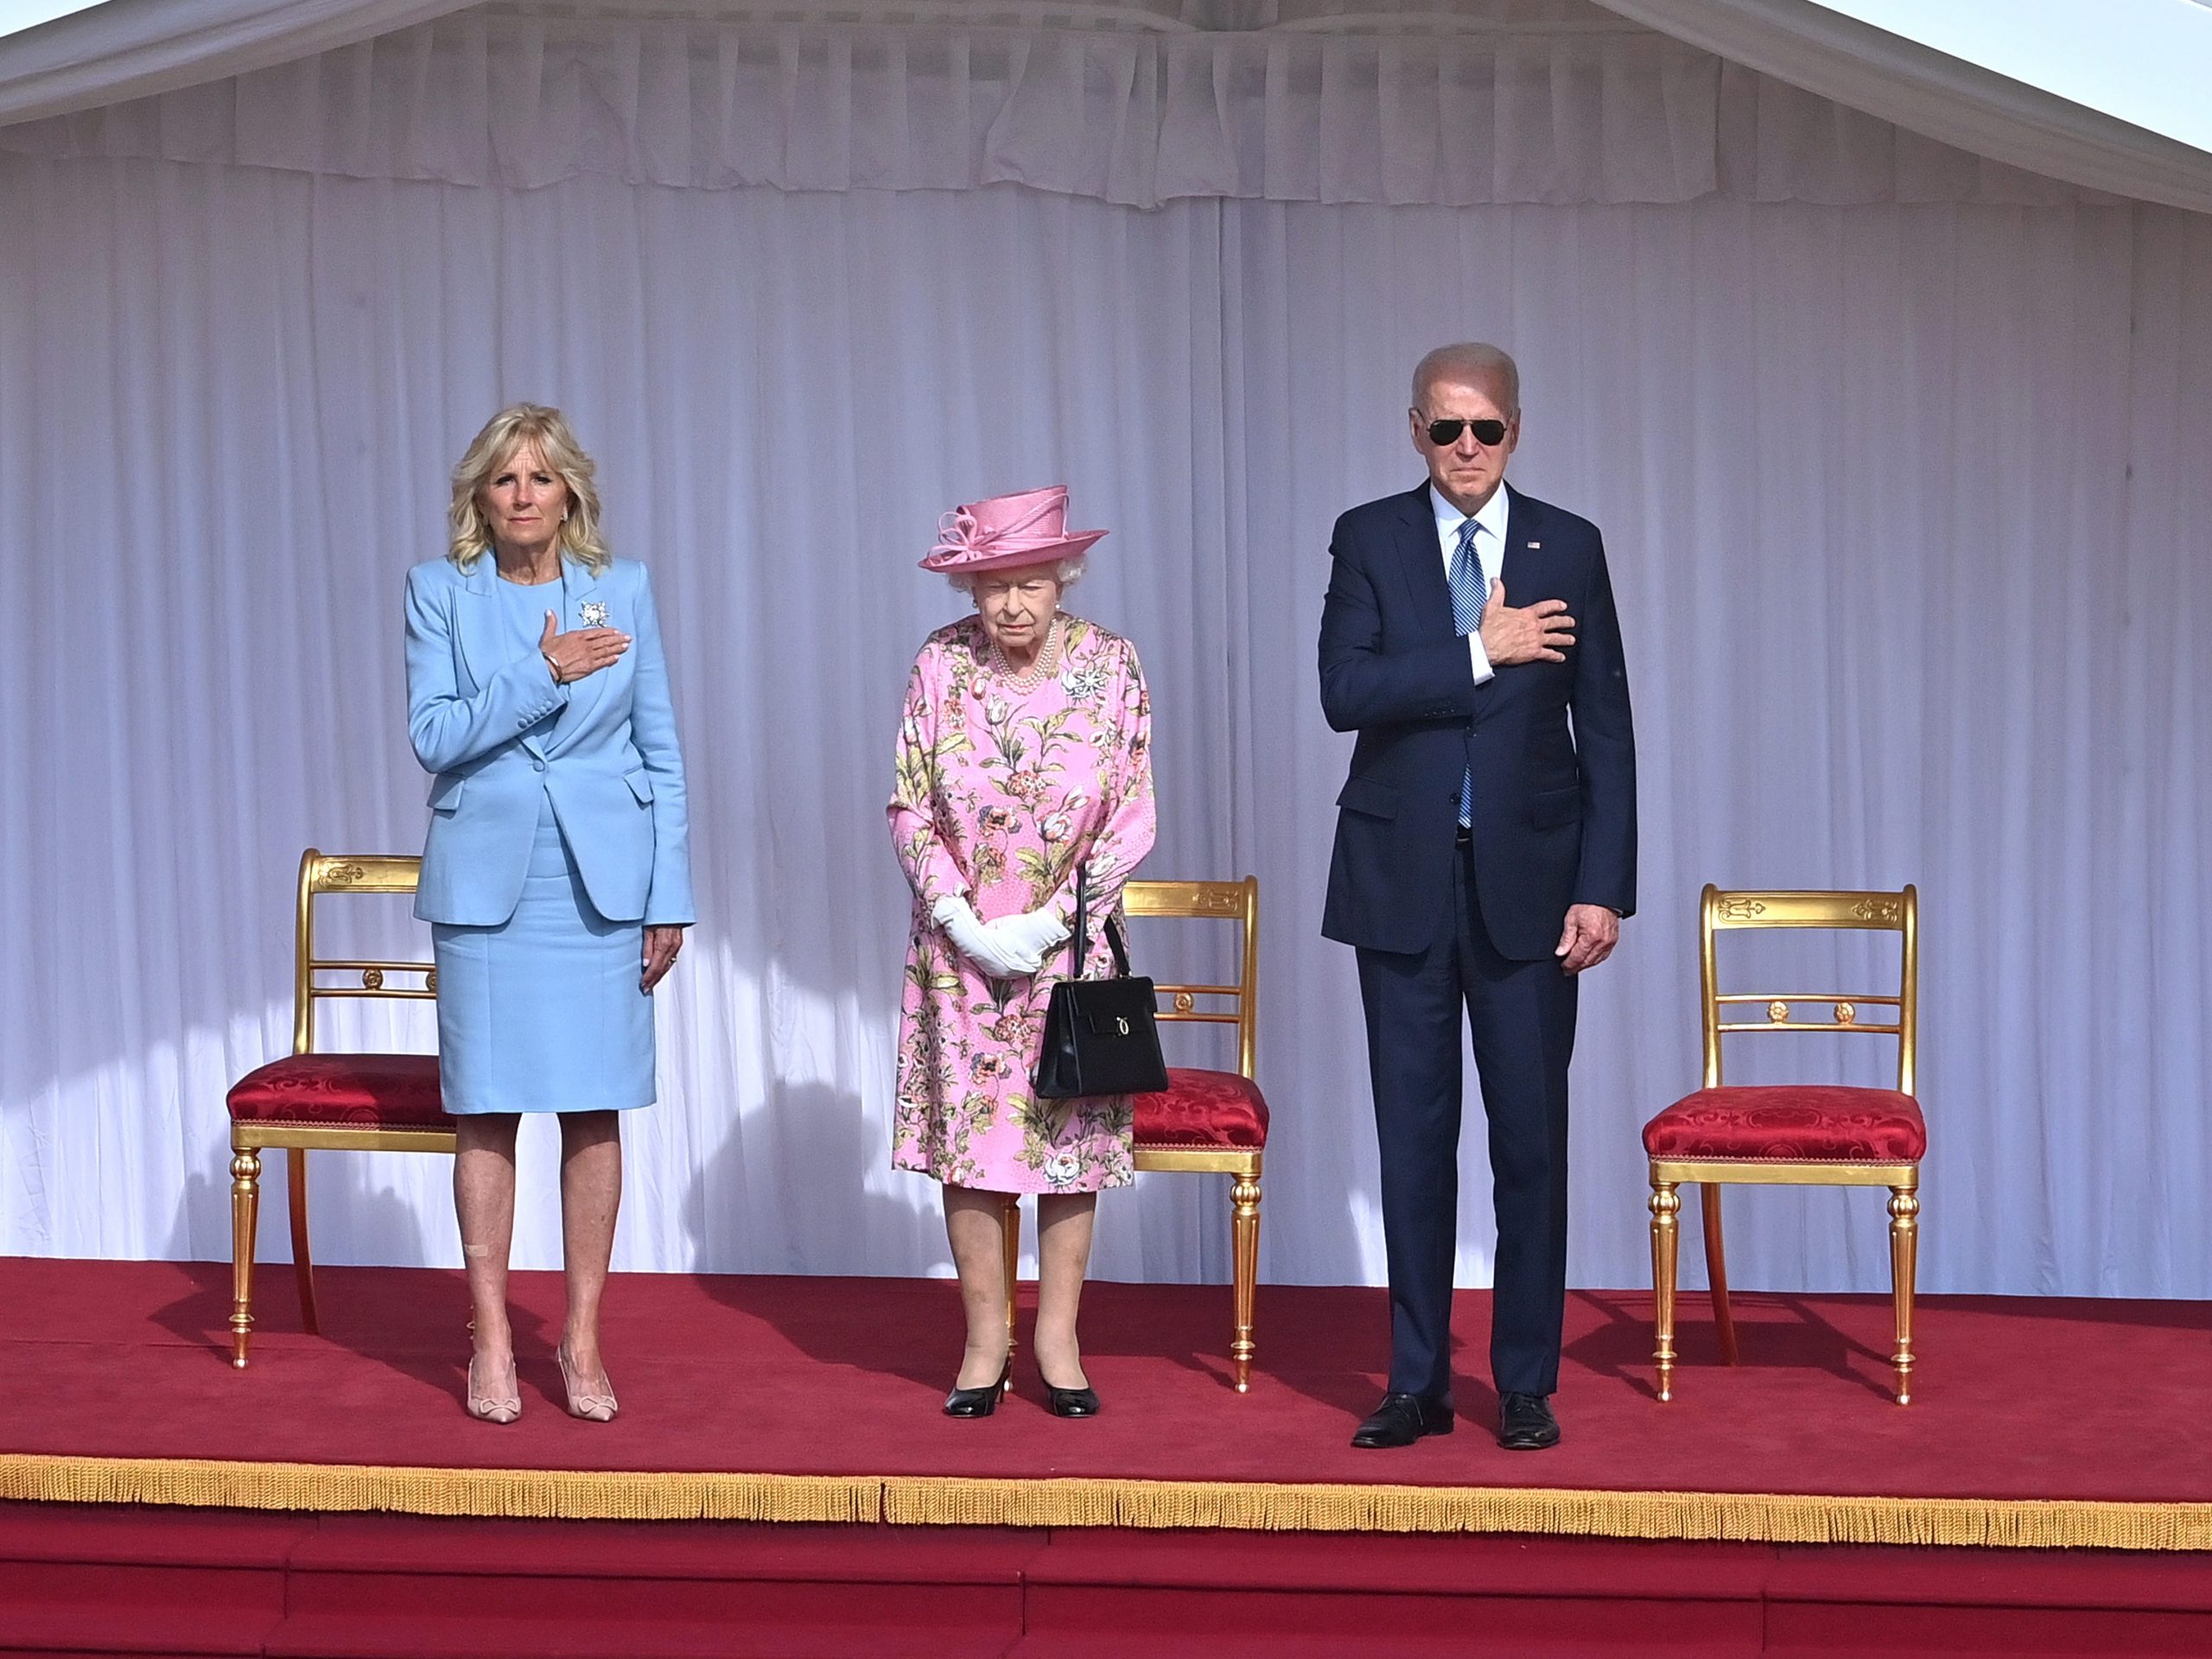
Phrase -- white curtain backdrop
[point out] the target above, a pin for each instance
(1907, 517)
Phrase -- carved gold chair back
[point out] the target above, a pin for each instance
(1236, 1005)
(1891, 912)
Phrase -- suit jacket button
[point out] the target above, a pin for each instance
(540, 765)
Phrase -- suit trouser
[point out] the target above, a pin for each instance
(1521, 1016)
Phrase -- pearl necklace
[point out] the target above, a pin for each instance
(1047, 663)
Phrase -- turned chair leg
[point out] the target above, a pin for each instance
(1904, 1249)
(1665, 1207)
(295, 1184)
(1244, 1233)
(1010, 1226)
(245, 1216)
(1716, 1270)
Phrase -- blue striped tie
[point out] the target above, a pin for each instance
(1469, 594)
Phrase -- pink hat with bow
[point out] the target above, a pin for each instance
(1007, 531)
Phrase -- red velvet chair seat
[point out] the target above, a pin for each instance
(357, 1090)
(1808, 1123)
(1203, 1108)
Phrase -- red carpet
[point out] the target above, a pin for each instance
(785, 1377)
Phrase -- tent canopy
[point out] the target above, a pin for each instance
(2102, 106)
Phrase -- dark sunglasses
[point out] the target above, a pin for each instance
(1444, 434)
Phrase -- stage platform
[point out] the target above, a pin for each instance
(2036, 1424)
(83, 1578)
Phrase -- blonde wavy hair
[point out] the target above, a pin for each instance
(510, 430)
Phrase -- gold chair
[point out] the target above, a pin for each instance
(345, 1102)
(1794, 1135)
(1205, 1123)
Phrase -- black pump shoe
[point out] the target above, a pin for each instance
(979, 1402)
(1071, 1402)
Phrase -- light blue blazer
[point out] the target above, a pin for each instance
(481, 713)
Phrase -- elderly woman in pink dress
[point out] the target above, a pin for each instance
(1024, 752)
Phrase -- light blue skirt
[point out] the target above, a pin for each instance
(543, 1013)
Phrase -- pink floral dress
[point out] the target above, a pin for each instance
(1000, 794)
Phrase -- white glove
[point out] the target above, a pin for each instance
(974, 941)
(1029, 937)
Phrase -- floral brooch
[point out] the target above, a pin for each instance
(593, 612)
(1084, 684)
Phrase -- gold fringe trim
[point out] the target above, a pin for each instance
(522, 1493)
(913, 1500)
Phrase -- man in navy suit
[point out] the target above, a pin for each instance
(1485, 854)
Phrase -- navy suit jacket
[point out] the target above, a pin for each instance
(1550, 744)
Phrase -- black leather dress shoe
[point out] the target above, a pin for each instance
(1525, 1422)
(1401, 1419)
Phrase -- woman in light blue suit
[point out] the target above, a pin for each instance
(557, 877)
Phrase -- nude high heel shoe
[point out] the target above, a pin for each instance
(489, 1408)
(593, 1408)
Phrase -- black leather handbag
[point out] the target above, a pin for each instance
(1101, 1036)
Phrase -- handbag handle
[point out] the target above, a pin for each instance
(1114, 941)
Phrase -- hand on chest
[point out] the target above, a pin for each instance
(1446, 600)
(496, 627)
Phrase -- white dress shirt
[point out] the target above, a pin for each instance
(1489, 550)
